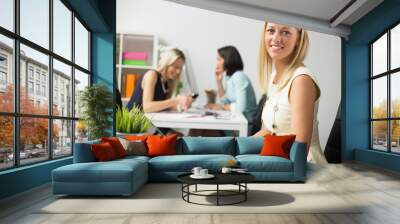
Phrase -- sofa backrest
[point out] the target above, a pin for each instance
(190, 146)
(206, 145)
(249, 145)
(83, 153)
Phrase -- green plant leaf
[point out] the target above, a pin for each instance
(96, 104)
(132, 121)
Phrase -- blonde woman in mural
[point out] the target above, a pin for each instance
(154, 91)
(292, 90)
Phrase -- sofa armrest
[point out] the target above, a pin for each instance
(298, 156)
(83, 152)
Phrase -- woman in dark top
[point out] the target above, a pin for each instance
(154, 90)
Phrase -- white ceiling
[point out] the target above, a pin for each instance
(325, 16)
(320, 9)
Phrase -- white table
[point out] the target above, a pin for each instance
(192, 119)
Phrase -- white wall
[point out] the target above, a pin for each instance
(202, 32)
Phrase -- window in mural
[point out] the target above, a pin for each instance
(43, 112)
(385, 94)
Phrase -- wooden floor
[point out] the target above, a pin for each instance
(377, 188)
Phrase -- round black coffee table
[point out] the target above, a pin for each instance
(238, 179)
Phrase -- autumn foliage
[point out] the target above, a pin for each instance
(380, 127)
(33, 131)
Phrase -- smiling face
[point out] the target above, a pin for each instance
(173, 70)
(220, 64)
(280, 41)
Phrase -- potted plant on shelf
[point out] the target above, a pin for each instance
(131, 122)
(96, 105)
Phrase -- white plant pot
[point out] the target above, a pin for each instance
(121, 134)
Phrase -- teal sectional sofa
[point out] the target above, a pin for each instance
(125, 176)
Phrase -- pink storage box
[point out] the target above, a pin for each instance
(135, 55)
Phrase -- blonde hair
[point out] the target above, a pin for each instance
(168, 57)
(297, 58)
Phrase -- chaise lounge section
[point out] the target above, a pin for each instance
(88, 177)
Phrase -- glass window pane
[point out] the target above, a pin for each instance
(395, 47)
(6, 142)
(81, 131)
(81, 45)
(35, 21)
(62, 89)
(379, 55)
(379, 97)
(62, 29)
(379, 135)
(7, 14)
(62, 138)
(6, 74)
(34, 97)
(395, 94)
(395, 138)
(33, 140)
(81, 81)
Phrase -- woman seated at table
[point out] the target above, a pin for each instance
(235, 90)
(154, 90)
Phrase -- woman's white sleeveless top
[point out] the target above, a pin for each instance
(277, 114)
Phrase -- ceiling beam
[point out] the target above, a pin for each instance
(346, 12)
(267, 14)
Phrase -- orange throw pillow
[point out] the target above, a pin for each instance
(161, 145)
(277, 145)
(116, 145)
(103, 151)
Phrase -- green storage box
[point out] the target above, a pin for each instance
(134, 62)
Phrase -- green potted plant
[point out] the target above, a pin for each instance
(96, 105)
(131, 121)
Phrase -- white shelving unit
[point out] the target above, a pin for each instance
(135, 43)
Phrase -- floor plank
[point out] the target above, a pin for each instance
(376, 190)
